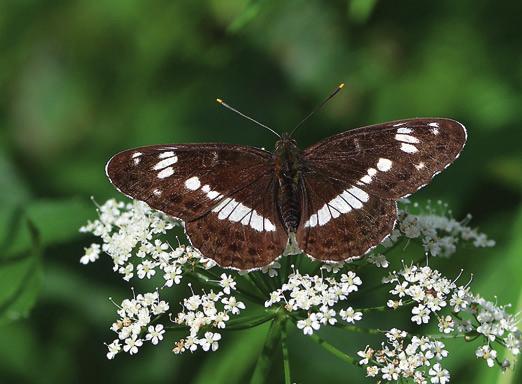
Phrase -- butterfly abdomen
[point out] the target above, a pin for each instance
(288, 164)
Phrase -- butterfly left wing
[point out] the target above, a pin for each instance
(360, 173)
(224, 193)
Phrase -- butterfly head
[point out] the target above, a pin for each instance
(285, 143)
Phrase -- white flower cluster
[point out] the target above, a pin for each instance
(205, 312)
(130, 235)
(489, 320)
(470, 314)
(317, 296)
(136, 320)
(425, 287)
(437, 229)
(403, 356)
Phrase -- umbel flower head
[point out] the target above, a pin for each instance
(295, 290)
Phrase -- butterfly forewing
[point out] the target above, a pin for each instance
(215, 189)
(351, 181)
(390, 160)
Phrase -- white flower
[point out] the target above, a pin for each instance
(439, 375)
(350, 281)
(379, 260)
(350, 315)
(232, 305)
(114, 349)
(275, 297)
(146, 269)
(210, 341)
(92, 254)
(132, 344)
(446, 324)
(487, 354)
(271, 269)
(420, 314)
(160, 307)
(309, 324)
(227, 282)
(366, 355)
(390, 372)
(155, 334)
(438, 350)
(172, 275)
(372, 371)
(327, 315)
(400, 289)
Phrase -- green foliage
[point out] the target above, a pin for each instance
(82, 80)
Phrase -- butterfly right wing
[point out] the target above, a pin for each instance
(223, 193)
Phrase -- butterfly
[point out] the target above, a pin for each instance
(243, 206)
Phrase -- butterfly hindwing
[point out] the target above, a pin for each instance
(215, 190)
(341, 221)
(390, 160)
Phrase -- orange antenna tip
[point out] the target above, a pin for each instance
(341, 86)
(219, 101)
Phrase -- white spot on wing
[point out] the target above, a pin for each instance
(227, 209)
(419, 166)
(435, 131)
(239, 213)
(206, 188)
(372, 171)
(366, 179)
(404, 130)
(359, 193)
(164, 155)
(212, 195)
(436, 125)
(157, 192)
(257, 221)
(193, 183)
(340, 204)
(136, 154)
(408, 148)
(406, 138)
(350, 199)
(384, 165)
(166, 173)
(165, 163)
(323, 215)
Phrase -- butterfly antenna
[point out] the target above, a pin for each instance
(339, 87)
(247, 117)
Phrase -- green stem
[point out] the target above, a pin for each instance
(248, 322)
(333, 350)
(286, 360)
(264, 362)
(356, 329)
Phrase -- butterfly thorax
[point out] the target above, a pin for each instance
(288, 170)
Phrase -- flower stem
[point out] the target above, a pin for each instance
(356, 329)
(333, 350)
(286, 360)
(262, 369)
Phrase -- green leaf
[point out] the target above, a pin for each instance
(20, 279)
(360, 10)
(58, 221)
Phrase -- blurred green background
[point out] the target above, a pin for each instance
(81, 80)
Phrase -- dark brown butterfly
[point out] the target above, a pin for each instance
(334, 201)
